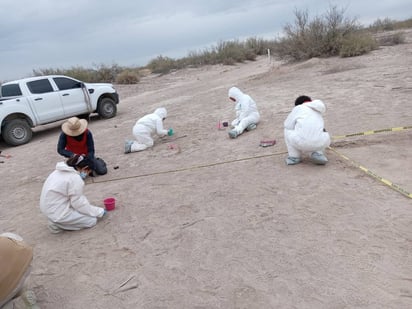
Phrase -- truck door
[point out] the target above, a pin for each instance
(45, 101)
(72, 96)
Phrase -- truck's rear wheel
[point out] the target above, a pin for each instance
(107, 108)
(17, 132)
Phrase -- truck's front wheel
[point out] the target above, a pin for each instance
(17, 132)
(107, 108)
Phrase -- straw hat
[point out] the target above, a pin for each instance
(74, 126)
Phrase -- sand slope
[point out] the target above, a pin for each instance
(203, 221)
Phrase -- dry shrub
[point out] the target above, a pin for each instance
(99, 74)
(404, 24)
(323, 36)
(391, 39)
(385, 24)
(127, 77)
(356, 44)
(230, 52)
(205, 57)
(257, 46)
(106, 74)
(80, 73)
(330, 34)
(162, 65)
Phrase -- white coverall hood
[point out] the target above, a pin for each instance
(161, 112)
(317, 105)
(235, 93)
(304, 128)
(246, 110)
(149, 124)
(62, 166)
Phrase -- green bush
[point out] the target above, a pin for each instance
(330, 34)
(382, 25)
(356, 44)
(388, 24)
(323, 36)
(106, 74)
(230, 52)
(162, 65)
(101, 73)
(199, 58)
(225, 52)
(404, 24)
(80, 73)
(256, 45)
(127, 77)
(391, 39)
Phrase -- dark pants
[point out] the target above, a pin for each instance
(98, 166)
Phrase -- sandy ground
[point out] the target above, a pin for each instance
(203, 221)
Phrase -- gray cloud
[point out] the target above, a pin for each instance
(57, 34)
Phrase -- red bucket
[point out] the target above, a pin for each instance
(109, 203)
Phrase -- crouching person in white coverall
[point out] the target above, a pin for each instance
(305, 131)
(15, 266)
(144, 128)
(62, 199)
(247, 115)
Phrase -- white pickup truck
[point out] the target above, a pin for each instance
(29, 102)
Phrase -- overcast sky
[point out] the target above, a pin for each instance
(62, 34)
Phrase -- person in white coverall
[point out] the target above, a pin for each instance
(144, 128)
(247, 115)
(305, 131)
(62, 199)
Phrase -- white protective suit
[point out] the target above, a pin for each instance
(304, 129)
(246, 110)
(145, 127)
(63, 202)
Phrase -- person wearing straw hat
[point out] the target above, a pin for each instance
(76, 138)
(62, 199)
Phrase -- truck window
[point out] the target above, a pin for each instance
(40, 86)
(64, 83)
(11, 90)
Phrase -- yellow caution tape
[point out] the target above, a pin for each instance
(373, 132)
(189, 168)
(374, 175)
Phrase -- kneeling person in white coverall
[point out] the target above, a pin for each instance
(305, 131)
(144, 128)
(62, 199)
(247, 115)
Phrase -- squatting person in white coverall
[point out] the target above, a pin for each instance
(247, 115)
(305, 131)
(144, 128)
(62, 199)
